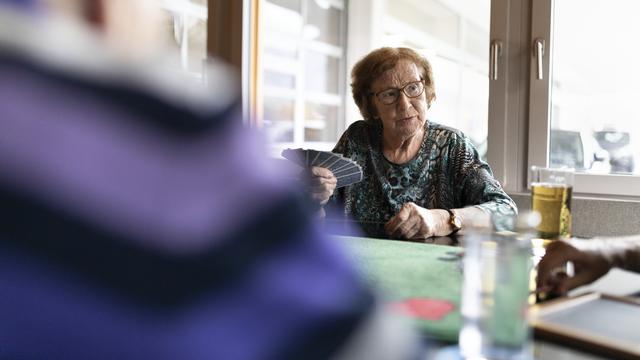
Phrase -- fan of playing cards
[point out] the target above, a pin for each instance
(345, 170)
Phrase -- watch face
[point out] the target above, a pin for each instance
(456, 222)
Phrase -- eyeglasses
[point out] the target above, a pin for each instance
(411, 90)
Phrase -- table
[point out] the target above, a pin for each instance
(415, 279)
(410, 274)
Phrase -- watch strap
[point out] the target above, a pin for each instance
(454, 220)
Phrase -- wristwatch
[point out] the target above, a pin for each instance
(455, 221)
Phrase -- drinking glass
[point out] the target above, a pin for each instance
(551, 191)
(495, 292)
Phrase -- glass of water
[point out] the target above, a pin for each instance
(495, 292)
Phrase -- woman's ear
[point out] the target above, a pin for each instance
(373, 112)
(371, 107)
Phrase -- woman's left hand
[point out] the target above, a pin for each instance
(415, 222)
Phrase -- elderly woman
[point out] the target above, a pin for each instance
(421, 179)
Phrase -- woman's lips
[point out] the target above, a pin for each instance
(406, 118)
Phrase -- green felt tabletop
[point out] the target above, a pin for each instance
(405, 270)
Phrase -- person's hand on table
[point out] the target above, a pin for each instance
(322, 184)
(588, 265)
(413, 222)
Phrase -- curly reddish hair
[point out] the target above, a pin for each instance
(374, 64)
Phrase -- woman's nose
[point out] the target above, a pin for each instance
(404, 101)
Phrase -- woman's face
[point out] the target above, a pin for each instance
(406, 116)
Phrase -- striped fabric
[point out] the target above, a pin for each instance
(136, 227)
(25, 4)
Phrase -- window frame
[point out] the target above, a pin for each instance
(508, 94)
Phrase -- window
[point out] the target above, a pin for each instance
(584, 98)
(302, 56)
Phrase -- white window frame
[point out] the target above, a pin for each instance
(539, 115)
(507, 135)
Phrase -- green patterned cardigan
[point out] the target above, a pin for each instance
(447, 173)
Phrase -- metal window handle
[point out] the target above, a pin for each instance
(538, 51)
(496, 51)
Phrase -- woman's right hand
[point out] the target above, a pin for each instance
(323, 183)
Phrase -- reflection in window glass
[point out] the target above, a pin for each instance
(321, 72)
(281, 30)
(567, 149)
(287, 4)
(474, 99)
(278, 79)
(320, 122)
(282, 51)
(476, 42)
(431, 17)
(303, 61)
(324, 22)
(454, 36)
(278, 119)
(447, 78)
(592, 96)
